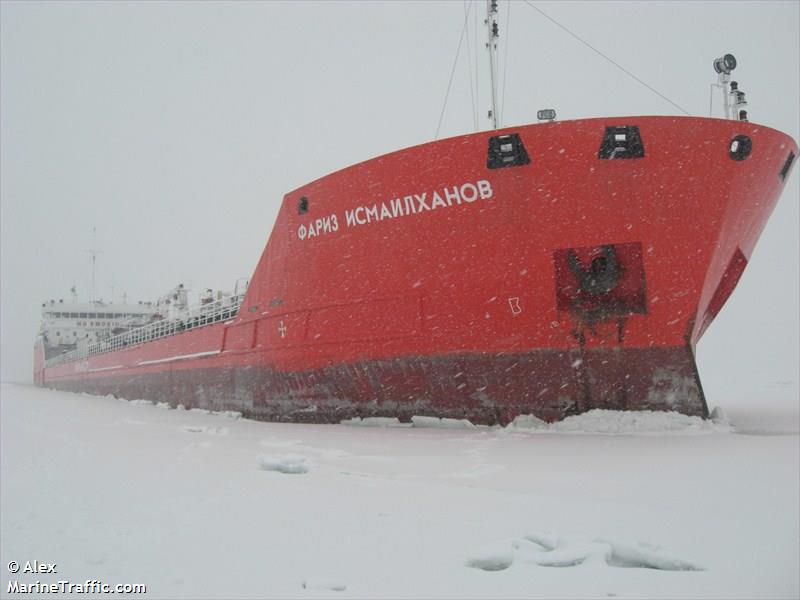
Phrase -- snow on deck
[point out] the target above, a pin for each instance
(199, 505)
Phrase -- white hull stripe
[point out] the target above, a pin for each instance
(180, 357)
(105, 369)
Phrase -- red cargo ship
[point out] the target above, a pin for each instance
(545, 269)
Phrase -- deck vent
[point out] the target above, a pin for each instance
(302, 206)
(741, 146)
(621, 141)
(506, 151)
(787, 166)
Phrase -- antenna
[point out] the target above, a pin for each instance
(494, 34)
(94, 254)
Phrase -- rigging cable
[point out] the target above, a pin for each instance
(505, 63)
(469, 70)
(620, 67)
(452, 72)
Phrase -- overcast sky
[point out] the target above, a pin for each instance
(176, 128)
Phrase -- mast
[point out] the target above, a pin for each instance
(94, 254)
(494, 34)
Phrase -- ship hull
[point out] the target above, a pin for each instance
(439, 281)
(486, 389)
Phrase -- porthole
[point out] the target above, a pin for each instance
(740, 147)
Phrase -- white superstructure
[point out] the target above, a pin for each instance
(78, 329)
(66, 325)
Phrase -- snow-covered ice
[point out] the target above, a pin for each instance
(423, 421)
(317, 583)
(179, 500)
(544, 550)
(205, 429)
(616, 422)
(492, 557)
(286, 463)
(141, 402)
(374, 422)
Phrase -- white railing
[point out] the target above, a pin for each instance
(199, 316)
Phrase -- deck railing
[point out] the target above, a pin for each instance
(200, 316)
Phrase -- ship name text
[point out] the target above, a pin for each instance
(403, 206)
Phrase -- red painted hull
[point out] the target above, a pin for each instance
(373, 297)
